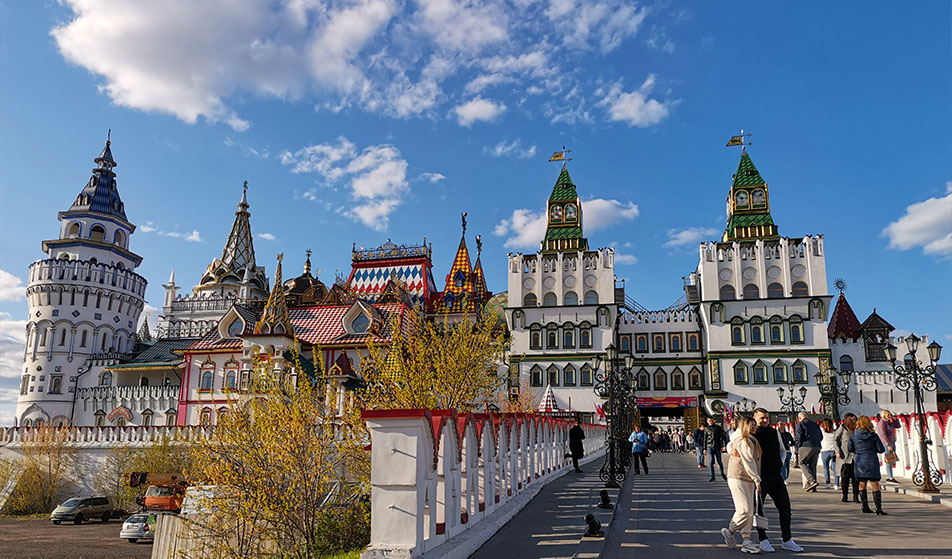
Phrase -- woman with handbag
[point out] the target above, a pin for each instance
(886, 428)
(847, 477)
(743, 479)
(866, 448)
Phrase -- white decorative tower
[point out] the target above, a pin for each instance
(84, 298)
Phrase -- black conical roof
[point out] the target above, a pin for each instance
(101, 193)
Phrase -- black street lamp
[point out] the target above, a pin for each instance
(919, 378)
(831, 393)
(615, 386)
(746, 407)
(791, 404)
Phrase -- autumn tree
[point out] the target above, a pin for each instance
(47, 467)
(527, 399)
(436, 364)
(165, 455)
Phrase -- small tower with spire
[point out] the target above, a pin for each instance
(563, 231)
(275, 319)
(748, 205)
(465, 290)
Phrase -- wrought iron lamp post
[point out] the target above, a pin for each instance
(791, 404)
(615, 386)
(831, 393)
(919, 378)
(746, 407)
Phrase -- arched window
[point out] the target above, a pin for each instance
(737, 331)
(170, 418)
(82, 339)
(586, 377)
(675, 342)
(800, 289)
(62, 340)
(799, 371)
(56, 385)
(535, 375)
(694, 379)
(568, 375)
(43, 337)
(552, 336)
(208, 380)
(846, 363)
(779, 372)
(100, 418)
(591, 297)
(660, 380)
(568, 335)
(97, 233)
(530, 300)
(231, 379)
(751, 291)
(222, 412)
(535, 337)
(585, 335)
(360, 324)
(549, 300)
(776, 333)
(518, 319)
(105, 379)
(728, 293)
(553, 374)
(119, 238)
(641, 343)
(760, 373)
(459, 279)
(147, 418)
(571, 298)
(677, 379)
(206, 417)
(644, 380)
(740, 373)
(774, 291)
(658, 343)
(756, 330)
(796, 330)
(74, 230)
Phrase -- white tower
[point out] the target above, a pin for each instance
(84, 298)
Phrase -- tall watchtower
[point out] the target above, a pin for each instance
(84, 298)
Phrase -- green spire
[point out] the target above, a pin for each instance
(564, 218)
(747, 174)
(748, 205)
(563, 190)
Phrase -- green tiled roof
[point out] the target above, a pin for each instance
(564, 189)
(747, 174)
(563, 233)
(748, 220)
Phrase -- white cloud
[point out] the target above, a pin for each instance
(621, 258)
(193, 237)
(267, 236)
(11, 287)
(463, 26)
(590, 24)
(926, 224)
(691, 235)
(147, 227)
(478, 109)
(432, 177)
(375, 176)
(634, 107)
(12, 345)
(527, 228)
(510, 149)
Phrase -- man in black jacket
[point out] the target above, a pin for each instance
(771, 483)
(576, 435)
(714, 443)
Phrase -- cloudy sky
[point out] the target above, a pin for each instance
(361, 120)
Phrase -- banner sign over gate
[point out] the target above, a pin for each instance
(689, 402)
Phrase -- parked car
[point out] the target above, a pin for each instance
(140, 526)
(79, 509)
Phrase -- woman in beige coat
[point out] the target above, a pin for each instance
(743, 479)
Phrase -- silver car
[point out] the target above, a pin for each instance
(79, 509)
(140, 526)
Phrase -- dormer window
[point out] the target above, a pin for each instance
(360, 324)
(236, 328)
(459, 279)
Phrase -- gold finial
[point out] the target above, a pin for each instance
(307, 262)
(109, 137)
(280, 256)
(464, 223)
(479, 245)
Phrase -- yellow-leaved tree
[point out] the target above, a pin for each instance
(437, 364)
(47, 467)
(276, 461)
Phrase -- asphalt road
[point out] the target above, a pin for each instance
(38, 538)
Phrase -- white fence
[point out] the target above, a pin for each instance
(438, 475)
(106, 437)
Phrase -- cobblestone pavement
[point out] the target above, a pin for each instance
(675, 512)
(38, 538)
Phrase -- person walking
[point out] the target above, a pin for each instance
(808, 441)
(845, 457)
(639, 448)
(576, 435)
(886, 428)
(787, 439)
(771, 482)
(867, 446)
(697, 438)
(743, 479)
(714, 443)
(828, 452)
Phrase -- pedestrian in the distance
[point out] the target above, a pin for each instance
(639, 448)
(867, 446)
(788, 443)
(828, 452)
(771, 482)
(886, 428)
(576, 435)
(845, 457)
(714, 443)
(808, 442)
(697, 438)
(743, 479)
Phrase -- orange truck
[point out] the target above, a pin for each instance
(165, 491)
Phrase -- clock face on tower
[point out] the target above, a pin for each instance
(759, 198)
(742, 199)
(571, 214)
(556, 213)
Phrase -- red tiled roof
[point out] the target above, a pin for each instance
(843, 323)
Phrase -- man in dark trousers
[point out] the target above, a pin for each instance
(808, 441)
(714, 443)
(697, 438)
(771, 483)
(576, 434)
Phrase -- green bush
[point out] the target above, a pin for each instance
(343, 529)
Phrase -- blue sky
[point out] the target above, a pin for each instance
(357, 121)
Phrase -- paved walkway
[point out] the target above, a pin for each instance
(675, 512)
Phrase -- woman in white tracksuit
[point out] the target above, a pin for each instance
(743, 478)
